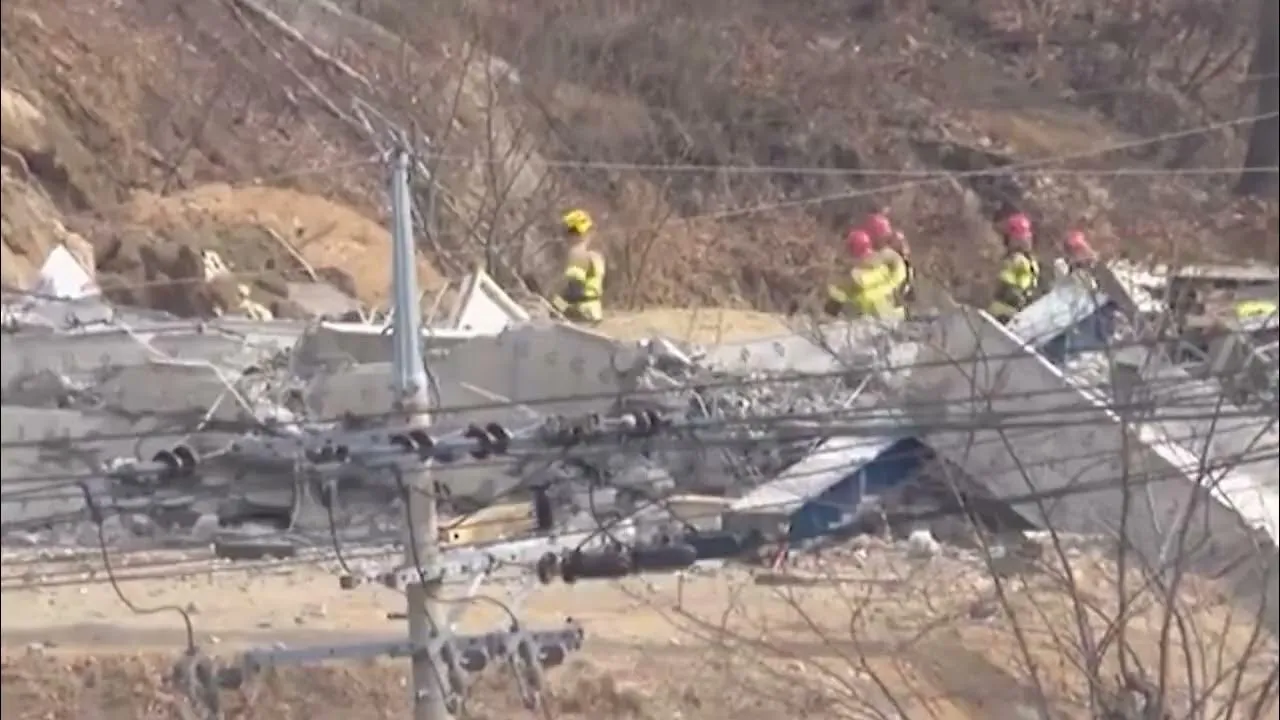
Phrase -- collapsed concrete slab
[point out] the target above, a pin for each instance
(331, 345)
(553, 368)
(1197, 415)
(175, 389)
(1075, 324)
(1065, 460)
(818, 349)
(99, 351)
(363, 391)
(69, 354)
(48, 452)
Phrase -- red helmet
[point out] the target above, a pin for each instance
(1077, 246)
(1016, 227)
(859, 244)
(878, 226)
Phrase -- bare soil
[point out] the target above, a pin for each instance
(714, 644)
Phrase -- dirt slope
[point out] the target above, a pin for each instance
(258, 120)
(121, 131)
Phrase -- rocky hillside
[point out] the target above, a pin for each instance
(724, 146)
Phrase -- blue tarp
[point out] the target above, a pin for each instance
(834, 507)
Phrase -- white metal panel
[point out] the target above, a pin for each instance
(62, 276)
(484, 307)
(1069, 303)
(1012, 420)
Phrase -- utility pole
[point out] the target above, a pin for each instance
(442, 661)
(413, 403)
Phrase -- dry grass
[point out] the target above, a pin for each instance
(174, 99)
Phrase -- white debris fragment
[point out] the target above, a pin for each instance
(921, 545)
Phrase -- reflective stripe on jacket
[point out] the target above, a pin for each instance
(870, 291)
(1248, 309)
(583, 290)
(1017, 283)
(901, 273)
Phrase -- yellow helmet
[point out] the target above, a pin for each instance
(577, 222)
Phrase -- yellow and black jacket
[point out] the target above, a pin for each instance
(1017, 285)
(869, 291)
(582, 288)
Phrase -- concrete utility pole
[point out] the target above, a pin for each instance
(413, 401)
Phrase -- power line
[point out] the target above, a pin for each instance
(928, 177)
(1008, 169)
(1133, 479)
(821, 171)
(860, 422)
(422, 572)
(575, 564)
(834, 428)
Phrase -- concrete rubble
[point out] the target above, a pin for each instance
(821, 431)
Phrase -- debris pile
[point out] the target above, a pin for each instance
(250, 435)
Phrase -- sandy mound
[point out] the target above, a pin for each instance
(704, 326)
(327, 235)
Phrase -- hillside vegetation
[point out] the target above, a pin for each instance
(724, 146)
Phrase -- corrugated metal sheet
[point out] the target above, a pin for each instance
(834, 461)
(1062, 309)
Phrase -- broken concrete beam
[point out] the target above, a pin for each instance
(239, 548)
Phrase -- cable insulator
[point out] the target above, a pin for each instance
(718, 546)
(187, 460)
(641, 423)
(484, 443)
(543, 512)
(171, 465)
(422, 442)
(552, 655)
(579, 565)
(403, 443)
(547, 568)
(473, 660)
(663, 559)
(501, 438)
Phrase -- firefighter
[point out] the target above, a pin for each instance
(1078, 253)
(893, 244)
(582, 284)
(872, 285)
(1018, 283)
